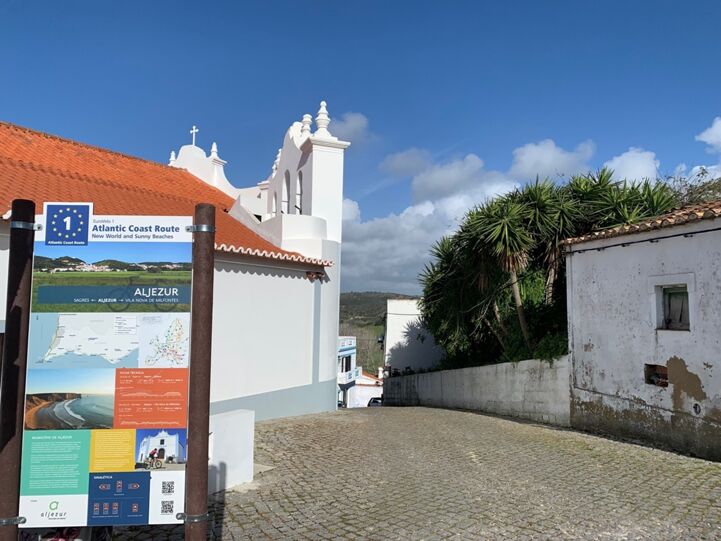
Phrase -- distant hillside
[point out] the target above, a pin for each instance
(114, 264)
(59, 263)
(37, 399)
(66, 262)
(367, 308)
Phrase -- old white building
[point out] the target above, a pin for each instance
(277, 266)
(644, 305)
(407, 343)
(367, 386)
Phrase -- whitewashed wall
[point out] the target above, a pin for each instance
(360, 394)
(230, 449)
(612, 320)
(533, 389)
(273, 339)
(407, 343)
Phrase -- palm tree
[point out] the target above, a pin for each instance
(589, 191)
(657, 198)
(500, 226)
(497, 241)
(442, 303)
(552, 216)
(481, 276)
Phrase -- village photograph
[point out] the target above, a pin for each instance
(109, 277)
(361, 271)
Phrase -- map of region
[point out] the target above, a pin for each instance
(164, 340)
(110, 338)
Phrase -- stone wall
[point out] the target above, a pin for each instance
(535, 390)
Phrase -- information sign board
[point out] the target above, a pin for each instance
(104, 439)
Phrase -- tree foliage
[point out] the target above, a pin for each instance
(495, 289)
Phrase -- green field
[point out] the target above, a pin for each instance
(109, 278)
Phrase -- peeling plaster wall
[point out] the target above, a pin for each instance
(613, 312)
(533, 389)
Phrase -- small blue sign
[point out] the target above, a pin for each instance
(67, 224)
(118, 498)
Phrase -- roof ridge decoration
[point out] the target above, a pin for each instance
(678, 216)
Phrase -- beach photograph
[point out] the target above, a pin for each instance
(112, 277)
(69, 399)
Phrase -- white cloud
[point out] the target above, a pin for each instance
(353, 127)
(462, 177)
(546, 159)
(351, 210)
(388, 253)
(634, 164)
(712, 136)
(407, 163)
(706, 172)
(680, 170)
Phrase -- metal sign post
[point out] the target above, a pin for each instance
(14, 360)
(196, 488)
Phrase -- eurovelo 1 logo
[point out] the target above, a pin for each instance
(67, 223)
(54, 512)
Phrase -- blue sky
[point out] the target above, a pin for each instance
(93, 381)
(127, 252)
(452, 101)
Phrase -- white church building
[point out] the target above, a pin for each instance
(167, 446)
(277, 266)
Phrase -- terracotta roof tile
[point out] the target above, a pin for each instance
(702, 211)
(43, 167)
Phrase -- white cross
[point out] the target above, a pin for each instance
(193, 132)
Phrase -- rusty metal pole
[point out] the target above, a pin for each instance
(14, 362)
(196, 480)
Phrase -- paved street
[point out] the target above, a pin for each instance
(416, 473)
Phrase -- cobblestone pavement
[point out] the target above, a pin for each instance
(427, 474)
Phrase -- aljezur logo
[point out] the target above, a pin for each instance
(53, 512)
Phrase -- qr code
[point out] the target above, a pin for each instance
(168, 487)
(166, 507)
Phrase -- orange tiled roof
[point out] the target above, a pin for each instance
(693, 213)
(43, 167)
(369, 375)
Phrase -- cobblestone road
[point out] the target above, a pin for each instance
(416, 473)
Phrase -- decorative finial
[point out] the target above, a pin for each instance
(277, 161)
(214, 150)
(172, 156)
(193, 132)
(306, 122)
(321, 121)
